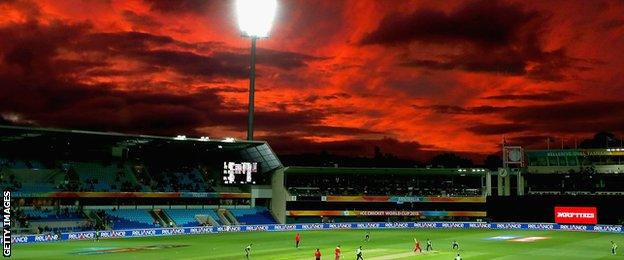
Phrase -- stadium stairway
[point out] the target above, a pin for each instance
(162, 218)
(226, 217)
(41, 180)
(193, 217)
(258, 215)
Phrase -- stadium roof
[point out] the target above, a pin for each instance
(12, 137)
(406, 171)
(8, 133)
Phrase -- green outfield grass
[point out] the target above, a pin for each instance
(384, 244)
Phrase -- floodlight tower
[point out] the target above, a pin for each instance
(255, 18)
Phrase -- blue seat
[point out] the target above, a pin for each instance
(130, 219)
(252, 216)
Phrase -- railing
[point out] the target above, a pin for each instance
(313, 226)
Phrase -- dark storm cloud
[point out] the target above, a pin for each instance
(485, 63)
(486, 23)
(175, 6)
(136, 112)
(569, 117)
(42, 87)
(315, 98)
(545, 96)
(29, 46)
(612, 24)
(494, 36)
(284, 59)
(192, 64)
(308, 121)
(561, 112)
(231, 89)
(496, 129)
(510, 60)
(223, 61)
(278, 59)
(361, 147)
(451, 109)
(121, 42)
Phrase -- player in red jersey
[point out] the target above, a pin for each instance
(317, 254)
(417, 245)
(297, 240)
(337, 252)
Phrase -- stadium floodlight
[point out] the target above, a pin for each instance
(255, 19)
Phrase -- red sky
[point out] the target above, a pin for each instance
(410, 76)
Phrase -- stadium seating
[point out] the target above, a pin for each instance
(103, 175)
(130, 218)
(30, 180)
(186, 217)
(383, 184)
(50, 215)
(258, 215)
(179, 180)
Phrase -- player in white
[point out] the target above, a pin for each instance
(248, 251)
(358, 253)
(458, 257)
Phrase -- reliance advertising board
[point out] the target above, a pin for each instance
(576, 215)
(89, 235)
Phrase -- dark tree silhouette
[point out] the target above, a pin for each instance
(493, 162)
(601, 140)
(450, 160)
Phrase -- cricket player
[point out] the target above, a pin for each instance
(613, 248)
(317, 254)
(248, 251)
(429, 245)
(455, 244)
(297, 240)
(358, 253)
(417, 245)
(337, 252)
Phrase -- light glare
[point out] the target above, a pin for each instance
(255, 17)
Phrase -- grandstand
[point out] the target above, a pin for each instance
(74, 182)
(118, 181)
(575, 171)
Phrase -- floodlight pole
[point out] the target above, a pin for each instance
(252, 81)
